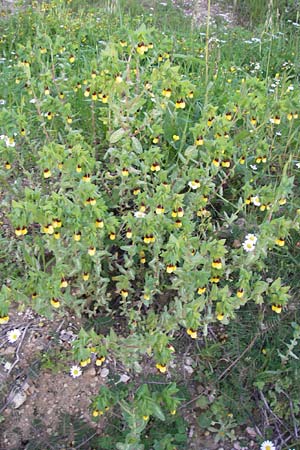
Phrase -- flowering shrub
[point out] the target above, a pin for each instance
(129, 192)
(133, 189)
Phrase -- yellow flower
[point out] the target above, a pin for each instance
(216, 264)
(145, 418)
(95, 413)
(85, 362)
(136, 191)
(112, 236)
(123, 43)
(220, 316)
(99, 223)
(240, 293)
(47, 91)
(85, 276)
(55, 302)
(141, 48)
(124, 293)
(275, 120)
(61, 95)
(192, 333)
(175, 137)
(167, 92)
(161, 367)
(7, 165)
(159, 209)
(125, 172)
(282, 201)
(47, 173)
(94, 96)
(226, 163)
(180, 104)
(210, 121)
(118, 79)
(100, 360)
(77, 236)
(228, 115)
(216, 162)
(242, 160)
(129, 233)
(92, 251)
(277, 308)
(215, 279)
(173, 412)
(105, 98)
(155, 167)
(63, 283)
(4, 320)
(48, 229)
(178, 224)
(57, 235)
(56, 223)
(171, 268)
(71, 59)
(201, 290)
(18, 231)
(199, 140)
(78, 168)
(191, 94)
(87, 92)
(280, 242)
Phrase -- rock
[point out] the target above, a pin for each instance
(251, 432)
(104, 372)
(124, 378)
(189, 369)
(18, 399)
(91, 371)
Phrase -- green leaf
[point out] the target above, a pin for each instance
(117, 136)
(137, 146)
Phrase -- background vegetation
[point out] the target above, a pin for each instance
(150, 186)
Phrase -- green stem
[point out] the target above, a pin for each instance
(207, 52)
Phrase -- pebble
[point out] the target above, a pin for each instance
(104, 372)
(18, 399)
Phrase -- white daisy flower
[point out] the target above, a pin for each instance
(255, 201)
(139, 214)
(248, 246)
(10, 142)
(13, 335)
(75, 371)
(267, 445)
(298, 165)
(251, 237)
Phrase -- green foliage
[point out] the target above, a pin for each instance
(154, 204)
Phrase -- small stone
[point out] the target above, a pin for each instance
(18, 399)
(124, 378)
(189, 369)
(91, 371)
(104, 372)
(251, 432)
(189, 361)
